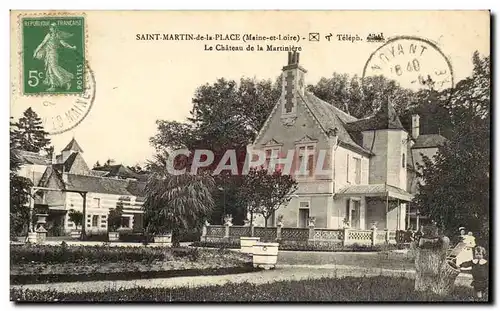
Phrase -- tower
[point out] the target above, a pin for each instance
(71, 148)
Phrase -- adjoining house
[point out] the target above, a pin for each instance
(72, 180)
(33, 165)
(371, 160)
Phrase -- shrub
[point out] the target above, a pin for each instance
(97, 236)
(76, 217)
(189, 235)
(115, 217)
(21, 254)
(222, 245)
(82, 254)
(126, 236)
(354, 289)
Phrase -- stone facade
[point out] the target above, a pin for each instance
(369, 154)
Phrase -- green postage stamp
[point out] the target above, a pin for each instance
(53, 55)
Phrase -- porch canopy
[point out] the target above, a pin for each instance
(375, 190)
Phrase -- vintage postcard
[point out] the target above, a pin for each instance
(250, 156)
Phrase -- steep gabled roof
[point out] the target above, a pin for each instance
(385, 118)
(429, 141)
(74, 164)
(50, 172)
(73, 146)
(330, 118)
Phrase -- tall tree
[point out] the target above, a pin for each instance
(455, 184)
(19, 197)
(361, 97)
(29, 134)
(225, 115)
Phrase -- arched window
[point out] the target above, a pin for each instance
(403, 161)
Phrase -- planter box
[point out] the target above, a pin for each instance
(265, 255)
(114, 236)
(75, 234)
(32, 237)
(247, 244)
(42, 218)
(165, 238)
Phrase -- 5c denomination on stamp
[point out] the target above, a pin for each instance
(53, 55)
(414, 62)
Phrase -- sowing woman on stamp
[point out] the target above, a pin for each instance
(55, 75)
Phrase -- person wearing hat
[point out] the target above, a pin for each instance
(468, 243)
(462, 232)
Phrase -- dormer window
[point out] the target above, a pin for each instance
(305, 160)
(272, 149)
(270, 153)
(305, 157)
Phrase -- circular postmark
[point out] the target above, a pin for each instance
(415, 63)
(59, 112)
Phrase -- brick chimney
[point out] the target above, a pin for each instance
(293, 84)
(415, 125)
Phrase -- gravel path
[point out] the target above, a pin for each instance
(282, 272)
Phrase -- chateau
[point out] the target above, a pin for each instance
(372, 160)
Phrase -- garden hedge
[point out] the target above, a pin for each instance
(304, 246)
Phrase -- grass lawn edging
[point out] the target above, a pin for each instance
(348, 289)
(126, 275)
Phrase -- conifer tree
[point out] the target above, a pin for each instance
(29, 134)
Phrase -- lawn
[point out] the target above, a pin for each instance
(46, 264)
(349, 289)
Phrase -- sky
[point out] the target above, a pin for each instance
(140, 81)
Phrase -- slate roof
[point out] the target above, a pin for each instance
(385, 118)
(429, 141)
(137, 188)
(375, 190)
(329, 117)
(66, 166)
(73, 145)
(118, 170)
(27, 157)
(104, 185)
(98, 173)
(74, 164)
